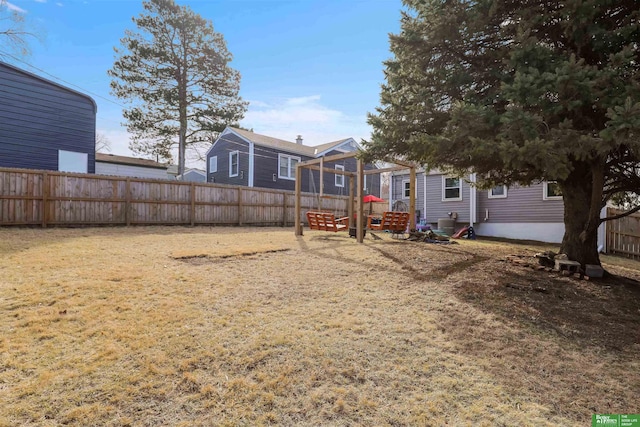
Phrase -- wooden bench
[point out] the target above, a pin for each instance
(396, 222)
(326, 221)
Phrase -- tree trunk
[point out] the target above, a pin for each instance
(182, 135)
(582, 214)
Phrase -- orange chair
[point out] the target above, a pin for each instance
(326, 221)
(396, 222)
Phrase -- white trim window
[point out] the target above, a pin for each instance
(339, 177)
(213, 164)
(287, 166)
(72, 161)
(364, 187)
(406, 189)
(498, 192)
(234, 163)
(551, 191)
(451, 188)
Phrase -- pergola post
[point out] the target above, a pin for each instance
(352, 183)
(298, 223)
(360, 214)
(321, 184)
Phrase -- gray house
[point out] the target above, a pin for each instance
(112, 164)
(44, 125)
(529, 213)
(194, 175)
(240, 157)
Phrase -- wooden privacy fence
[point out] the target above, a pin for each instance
(30, 197)
(623, 235)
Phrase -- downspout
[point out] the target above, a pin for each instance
(251, 164)
(424, 195)
(602, 232)
(472, 199)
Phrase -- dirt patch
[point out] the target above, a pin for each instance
(200, 259)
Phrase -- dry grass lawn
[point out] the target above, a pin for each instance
(237, 326)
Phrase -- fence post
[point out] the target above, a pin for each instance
(192, 214)
(45, 197)
(240, 206)
(127, 202)
(284, 209)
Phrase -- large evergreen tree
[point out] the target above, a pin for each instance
(175, 73)
(520, 92)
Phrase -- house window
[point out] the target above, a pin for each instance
(499, 192)
(234, 163)
(213, 164)
(551, 191)
(339, 178)
(287, 166)
(71, 161)
(406, 189)
(451, 188)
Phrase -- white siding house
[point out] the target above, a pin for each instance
(111, 164)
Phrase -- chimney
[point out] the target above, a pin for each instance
(299, 140)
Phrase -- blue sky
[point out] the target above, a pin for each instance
(308, 67)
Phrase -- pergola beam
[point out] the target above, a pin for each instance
(403, 163)
(317, 168)
(329, 159)
(391, 169)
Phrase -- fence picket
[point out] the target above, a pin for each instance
(67, 199)
(623, 235)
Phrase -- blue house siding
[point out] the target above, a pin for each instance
(350, 165)
(38, 118)
(222, 148)
(266, 172)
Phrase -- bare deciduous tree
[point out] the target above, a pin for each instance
(102, 143)
(14, 34)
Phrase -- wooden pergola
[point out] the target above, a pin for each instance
(318, 164)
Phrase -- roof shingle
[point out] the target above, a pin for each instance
(283, 145)
(124, 160)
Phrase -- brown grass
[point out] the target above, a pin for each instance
(238, 326)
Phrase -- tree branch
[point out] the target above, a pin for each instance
(622, 215)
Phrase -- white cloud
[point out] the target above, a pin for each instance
(59, 4)
(13, 7)
(306, 116)
(303, 100)
(41, 1)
